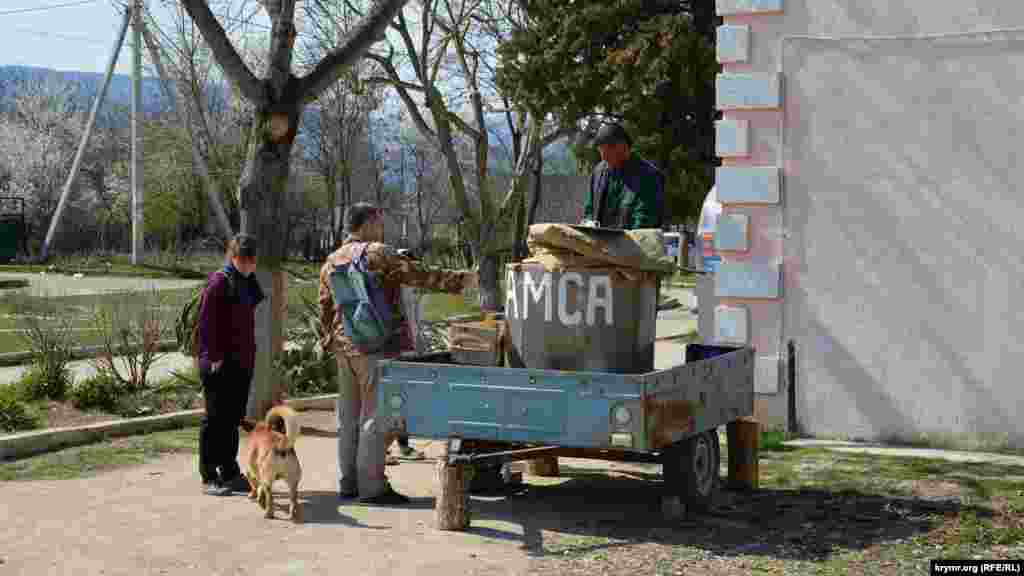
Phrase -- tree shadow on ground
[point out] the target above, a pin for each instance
(593, 510)
(322, 507)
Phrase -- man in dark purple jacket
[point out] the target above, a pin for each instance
(227, 354)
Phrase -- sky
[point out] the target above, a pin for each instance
(78, 38)
(78, 35)
(68, 35)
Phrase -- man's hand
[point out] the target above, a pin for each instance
(470, 281)
(216, 366)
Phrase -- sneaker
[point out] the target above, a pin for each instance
(386, 498)
(216, 489)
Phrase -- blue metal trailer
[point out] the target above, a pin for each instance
(493, 415)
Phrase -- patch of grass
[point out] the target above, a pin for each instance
(85, 461)
(772, 440)
(11, 283)
(984, 532)
(78, 311)
(575, 544)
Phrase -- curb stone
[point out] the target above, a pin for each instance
(27, 444)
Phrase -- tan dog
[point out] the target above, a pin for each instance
(270, 455)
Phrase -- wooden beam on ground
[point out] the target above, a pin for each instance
(451, 510)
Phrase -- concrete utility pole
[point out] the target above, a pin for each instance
(85, 137)
(137, 185)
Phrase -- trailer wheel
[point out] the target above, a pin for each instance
(690, 471)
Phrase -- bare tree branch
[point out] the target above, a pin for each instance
(217, 39)
(389, 68)
(464, 126)
(353, 47)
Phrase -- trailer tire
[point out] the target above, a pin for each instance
(690, 469)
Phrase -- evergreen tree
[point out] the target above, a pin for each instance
(649, 64)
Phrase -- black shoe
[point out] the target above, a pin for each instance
(238, 484)
(216, 489)
(388, 498)
(345, 493)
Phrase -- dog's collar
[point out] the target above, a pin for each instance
(283, 453)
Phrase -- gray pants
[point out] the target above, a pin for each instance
(362, 438)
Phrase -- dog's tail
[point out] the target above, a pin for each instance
(291, 423)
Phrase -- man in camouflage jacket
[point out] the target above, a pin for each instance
(362, 441)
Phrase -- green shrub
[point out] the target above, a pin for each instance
(99, 392)
(44, 381)
(49, 342)
(307, 371)
(16, 415)
(136, 405)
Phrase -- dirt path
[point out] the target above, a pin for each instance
(597, 518)
(153, 519)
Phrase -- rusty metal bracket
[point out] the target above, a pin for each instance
(499, 457)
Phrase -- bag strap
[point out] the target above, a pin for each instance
(359, 257)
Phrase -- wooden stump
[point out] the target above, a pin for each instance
(451, 510)
(743, 439)
(544, 467)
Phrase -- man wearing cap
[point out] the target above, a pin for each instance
(362, 438)
(626, 191)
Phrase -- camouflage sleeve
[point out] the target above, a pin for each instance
(326, 307)
(384, 260)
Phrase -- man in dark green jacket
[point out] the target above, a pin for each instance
(626, 191)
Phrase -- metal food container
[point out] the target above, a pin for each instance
(586, 319)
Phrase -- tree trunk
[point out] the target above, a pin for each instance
(489, 299)
(538, 189)
(519, 243)
(332, 203)
(262, 197)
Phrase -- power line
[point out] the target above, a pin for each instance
(44, 8)
(59, 36)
